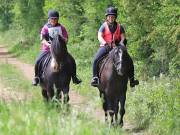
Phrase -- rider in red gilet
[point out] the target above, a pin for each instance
(111, 34)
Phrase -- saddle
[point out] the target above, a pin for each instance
(42, 65)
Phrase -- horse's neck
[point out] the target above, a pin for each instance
(106, 63)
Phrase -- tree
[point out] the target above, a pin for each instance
(6, 14)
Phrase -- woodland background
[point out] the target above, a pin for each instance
(153, 33)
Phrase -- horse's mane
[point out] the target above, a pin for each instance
(123, 48)
(58, 47)
(110, 56)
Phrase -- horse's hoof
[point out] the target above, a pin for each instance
(121, 124)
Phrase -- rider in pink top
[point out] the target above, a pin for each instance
(51, 29)
(47, 29)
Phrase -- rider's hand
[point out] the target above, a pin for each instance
(49, 45)
(108, 46)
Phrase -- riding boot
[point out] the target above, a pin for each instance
(102, 51)
(95, 79)
(133, 82)
(37, 68)
(76, 80)
(36, 78)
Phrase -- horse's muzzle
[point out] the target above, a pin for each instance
(119, 72)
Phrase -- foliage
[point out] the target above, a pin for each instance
(152, 27)
(6, 14)
(154, 106)
(153, 33)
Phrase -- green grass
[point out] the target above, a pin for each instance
(155, 106)
(34, 117)
(11, 77)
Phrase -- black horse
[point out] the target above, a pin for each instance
(113, 74)
(57, 70)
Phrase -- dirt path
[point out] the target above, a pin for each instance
(28, 72)
(75, 99)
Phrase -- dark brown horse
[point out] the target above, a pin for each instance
(57, 70)
(113, 75)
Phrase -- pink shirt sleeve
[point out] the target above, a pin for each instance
(44, 30)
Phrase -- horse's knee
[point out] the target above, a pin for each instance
(105, 106)
(122, 111)
(44, 93)
(58, 94)
(50, 93)
(66, 98)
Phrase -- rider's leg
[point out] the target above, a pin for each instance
(101, 52)
(36, 78)
(133, 82)
(75, 79)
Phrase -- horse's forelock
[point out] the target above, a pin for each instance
(58, 47)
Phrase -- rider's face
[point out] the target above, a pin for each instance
(53, 21)
(111, 18)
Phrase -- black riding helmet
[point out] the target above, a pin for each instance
(111, 11)
(53, 14)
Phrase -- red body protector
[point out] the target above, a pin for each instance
(111, 38)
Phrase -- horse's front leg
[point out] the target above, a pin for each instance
(110, 109)
(66, 94)
(50, 92)
(116, 109)
(44, 94)
(122, 110)
(104, 105)
(59, 95)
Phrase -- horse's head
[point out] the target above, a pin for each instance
(119, 59)
(58, 48)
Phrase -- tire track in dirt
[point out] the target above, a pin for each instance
(76, 100)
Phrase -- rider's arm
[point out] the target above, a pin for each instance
(100, 35)
(45, 42)
(44, 36)
(123, 36)
(101, 39)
